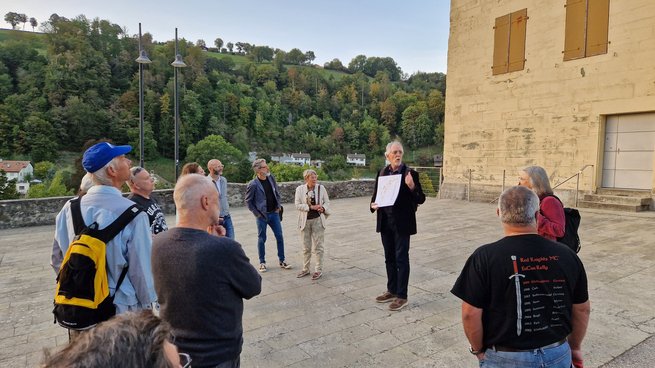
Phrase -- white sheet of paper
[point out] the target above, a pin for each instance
(388, 188)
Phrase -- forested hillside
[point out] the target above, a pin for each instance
(79, 81)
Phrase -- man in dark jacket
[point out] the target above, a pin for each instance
(264, 201)
(201, 278)
(395, 224)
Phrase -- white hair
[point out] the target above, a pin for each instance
(390, 144)
(100, 177)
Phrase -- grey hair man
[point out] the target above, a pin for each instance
(215, 168)
(396, 223)
(524, 297)
(141, 185)
(201, 279)
(133, 339)
(264, 201)
(103, 203)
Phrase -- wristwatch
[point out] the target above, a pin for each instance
(475, 352)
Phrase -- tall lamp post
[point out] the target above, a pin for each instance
(178, 63)
(142, 59)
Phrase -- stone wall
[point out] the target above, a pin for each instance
(42, 211)
(553, 112)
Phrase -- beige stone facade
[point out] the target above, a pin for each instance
(552, 113)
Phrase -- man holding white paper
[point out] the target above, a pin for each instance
(396, 197)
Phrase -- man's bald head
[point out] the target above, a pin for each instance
(189, 191)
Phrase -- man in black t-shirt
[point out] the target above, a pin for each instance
(524, 297)
(141, 185)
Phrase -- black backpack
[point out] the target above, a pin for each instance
(572, 223)
(82, 297)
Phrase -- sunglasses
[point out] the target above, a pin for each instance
(185, 360)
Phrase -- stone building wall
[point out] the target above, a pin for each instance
(42, 211)
(551, 113)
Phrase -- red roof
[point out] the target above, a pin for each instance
(13, 166)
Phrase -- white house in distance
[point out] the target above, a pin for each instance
(18, 170)
(356, 159)
(292, 158)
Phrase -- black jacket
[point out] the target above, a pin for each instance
(401, 217)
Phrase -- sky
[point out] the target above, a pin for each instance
(412, 32)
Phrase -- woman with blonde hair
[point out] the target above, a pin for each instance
(550, 218)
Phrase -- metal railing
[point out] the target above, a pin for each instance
(577, 181)
(433, 184)
(576, 175)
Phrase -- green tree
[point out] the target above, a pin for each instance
(218, 42)
(13, 19)
(417, 129)
(261, 53)
(33, 23)
(38, 137)
(7, 187)
(295, 56)
(54, 188)
(44, 170)
(215, 146)
(357, 64)
(426, 184)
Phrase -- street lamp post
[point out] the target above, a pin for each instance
(177, 63)
(142, 59)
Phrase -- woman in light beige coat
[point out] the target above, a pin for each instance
(313, 205)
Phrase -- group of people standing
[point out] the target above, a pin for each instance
(524, 298)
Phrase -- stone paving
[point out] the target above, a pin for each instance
(334, 322)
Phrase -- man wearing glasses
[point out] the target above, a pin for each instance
(264, 201)
(215, 168)
(141, 185)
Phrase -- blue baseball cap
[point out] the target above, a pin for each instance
(98, 155)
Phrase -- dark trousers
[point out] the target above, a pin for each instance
(396, 258)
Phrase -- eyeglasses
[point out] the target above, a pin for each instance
(136, 170)
(185, 360)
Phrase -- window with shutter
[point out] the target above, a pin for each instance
(509, 42)
(586, 28)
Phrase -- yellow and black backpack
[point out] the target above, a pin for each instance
(82, 297)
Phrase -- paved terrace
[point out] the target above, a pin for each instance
(334, 321)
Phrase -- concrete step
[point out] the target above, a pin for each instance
(623, 192)
(613, 206)
(618, 199)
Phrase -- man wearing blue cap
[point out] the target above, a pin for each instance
(104, 203)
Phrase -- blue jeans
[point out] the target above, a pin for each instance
(557, 357)
(396, 260)
(229, 228)
(273, 220)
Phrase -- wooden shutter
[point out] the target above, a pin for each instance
(574, 36)
(501, 45)
(518, 21)
(597, 25)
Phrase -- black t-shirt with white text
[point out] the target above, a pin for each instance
(155, 214)
(545, 277)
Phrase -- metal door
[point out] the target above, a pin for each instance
(629, 151)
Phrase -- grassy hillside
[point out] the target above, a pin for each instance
(240, 60)
(36, 38)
